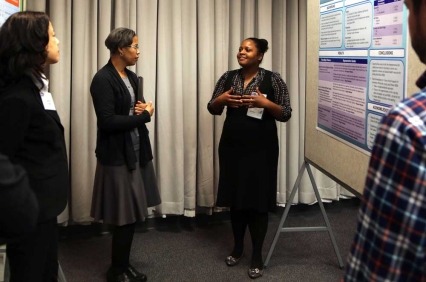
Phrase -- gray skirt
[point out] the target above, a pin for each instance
(122, 196)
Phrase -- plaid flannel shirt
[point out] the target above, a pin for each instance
(390, 241)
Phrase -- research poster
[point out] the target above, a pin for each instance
(362, 67)
(8, 7)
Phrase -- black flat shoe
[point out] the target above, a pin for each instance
(254, 273)
(136, 275)
(231, 260)
(122, 277)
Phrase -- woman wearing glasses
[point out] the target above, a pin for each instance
(125, 183)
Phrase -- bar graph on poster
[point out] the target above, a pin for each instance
(8, 7)
(362, 67)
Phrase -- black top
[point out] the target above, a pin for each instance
(235, 79)
(112, 103)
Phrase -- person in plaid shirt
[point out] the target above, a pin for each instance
(390, 241)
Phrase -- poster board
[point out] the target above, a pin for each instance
(8, 7)
(343, 163)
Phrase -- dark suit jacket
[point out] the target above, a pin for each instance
(34, 138)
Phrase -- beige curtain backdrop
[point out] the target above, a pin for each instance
(185, 46)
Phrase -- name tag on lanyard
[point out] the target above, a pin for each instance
(47, 99)
(256, 112)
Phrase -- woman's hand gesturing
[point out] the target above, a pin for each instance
(230, 99)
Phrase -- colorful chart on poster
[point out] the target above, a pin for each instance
(8, 7)
(362, 67)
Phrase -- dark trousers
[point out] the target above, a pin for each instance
(35, 257)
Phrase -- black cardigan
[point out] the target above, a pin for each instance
(111, 100)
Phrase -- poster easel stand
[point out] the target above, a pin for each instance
(327, 226)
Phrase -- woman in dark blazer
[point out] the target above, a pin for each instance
(125, 183)
(33, 137)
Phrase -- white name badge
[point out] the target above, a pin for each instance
(47, 100)
(255, 112)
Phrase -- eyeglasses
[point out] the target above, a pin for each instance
(136, 46)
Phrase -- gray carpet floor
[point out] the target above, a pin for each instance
(193, 249)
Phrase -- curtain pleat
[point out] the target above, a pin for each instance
(264, 29)
(291, 158)
(186, 45)
(84, 63)
(146, 26)
(222, 54)
(205, 82)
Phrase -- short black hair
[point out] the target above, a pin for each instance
(261, 44)
(23, 40)
(119, 38)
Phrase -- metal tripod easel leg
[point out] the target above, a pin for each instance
(327, 226)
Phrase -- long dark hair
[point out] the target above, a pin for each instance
(23, 40)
